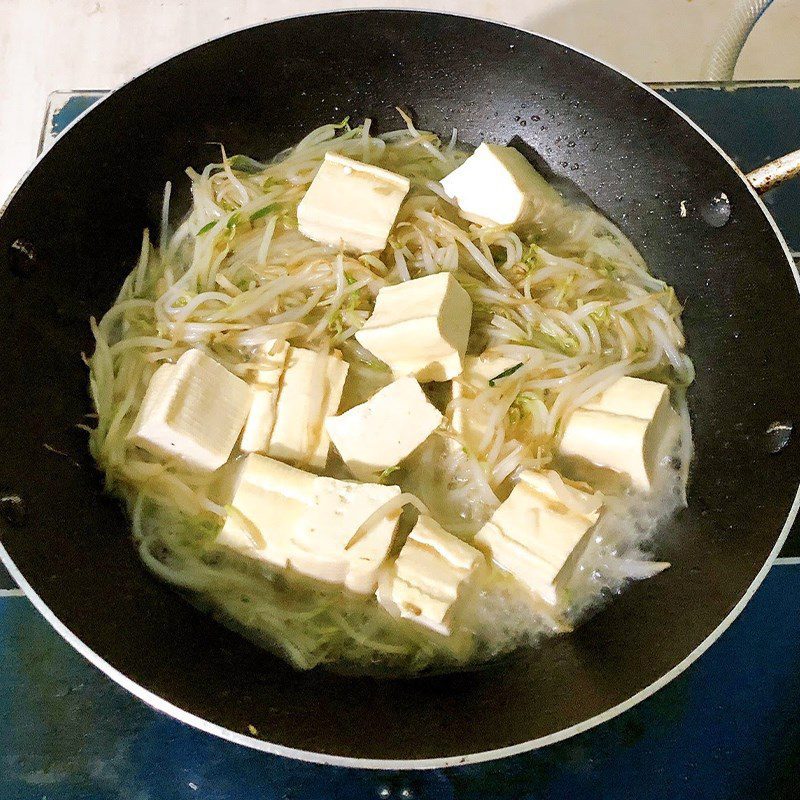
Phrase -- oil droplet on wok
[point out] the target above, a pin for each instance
(717, 211)
(13, 510)
(23, 258)
(778, 435)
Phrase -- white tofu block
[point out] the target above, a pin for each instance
(621, 429)
(351, 204)
(380, 433)
(535, 537)
(292, 518)
(420, 327)
(469, 421)
(261, 419)
(337, 510)
(269, 501)
(498, 186)
(309, 378)
(430, 574)
(633, 397)
(193, 411)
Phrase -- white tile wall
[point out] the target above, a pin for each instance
(64, 44)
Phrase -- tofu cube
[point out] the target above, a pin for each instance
(351, 204)
(294, 519)
(192, 411)
(380, 433)
(535, 537)
(468, 416)
(310, 391)
(261, 419)
(497, 185)
(430, 575)
(420, 327)
(268, 503)
(621, 429)
(337, 510)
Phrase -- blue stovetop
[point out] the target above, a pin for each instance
(729, 727)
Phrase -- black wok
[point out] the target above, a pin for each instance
(71, 232)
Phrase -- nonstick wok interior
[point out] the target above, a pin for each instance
(72, 231)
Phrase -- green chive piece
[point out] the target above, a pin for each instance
(386, 473)
(505, 373)
(262, 212)
(206, 228)
(245, 164)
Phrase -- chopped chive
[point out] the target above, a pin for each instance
(349, 278)
(386, 473)
(262, 212)
(505, 373)
(233, 220)
(207, 227)
(247, 165)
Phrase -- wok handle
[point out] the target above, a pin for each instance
(775, 172)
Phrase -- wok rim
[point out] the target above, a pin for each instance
(310, 756)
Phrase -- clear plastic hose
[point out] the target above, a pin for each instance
(729, 44)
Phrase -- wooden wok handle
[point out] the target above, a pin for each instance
(775, 172)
